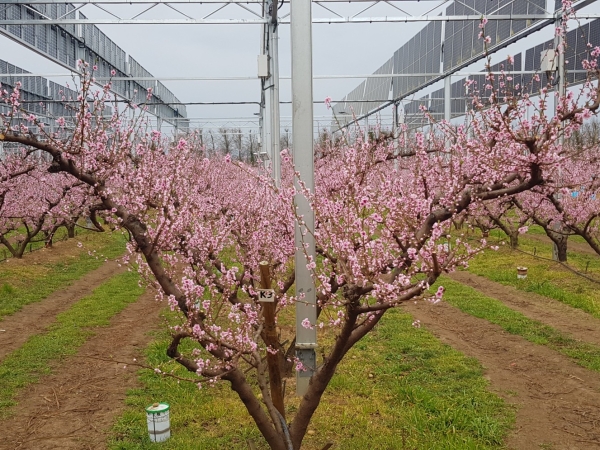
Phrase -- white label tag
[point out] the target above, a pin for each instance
(266, 295)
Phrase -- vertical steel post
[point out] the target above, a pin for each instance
(448, 98)
(302, 136)
(395, 133)
(268, 123)
(559, 47)
(266, 110)
(561, 79)
(275, 119)
(447, 109)
(261, 111)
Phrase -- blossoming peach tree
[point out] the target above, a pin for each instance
(201, 229)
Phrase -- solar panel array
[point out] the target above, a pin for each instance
(576, 51)
(441, 47)
(36, 91)
(67, 43)
(460, 101)
(421, 54)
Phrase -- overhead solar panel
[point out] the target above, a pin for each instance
(14, 13)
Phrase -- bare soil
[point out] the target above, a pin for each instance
(557, 401)
(558, 315)
(75, 407)
(58, 252)
(36, 317)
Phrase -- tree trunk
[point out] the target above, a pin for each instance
(20, 249)
(70, 230)
(514, 239)
(50, 236)
(592, 242)
(49, 239)
(458, 223)
(559, 251)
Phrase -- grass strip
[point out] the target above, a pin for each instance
(399, 388)
(72, 328)
(22, 284)
(544, 277)
(473, 302)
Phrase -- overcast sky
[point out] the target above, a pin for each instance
(231, 50)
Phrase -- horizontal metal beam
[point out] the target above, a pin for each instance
(535, 27)
(133, 21)
(316, 20)
(125, 2)
(189, 2)
(255, 78)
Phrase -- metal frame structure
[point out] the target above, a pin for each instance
(41, 25)
(43, 29)
(404, 81)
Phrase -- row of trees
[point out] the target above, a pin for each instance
(34, 205)
(201, 225)
(566, 204)
(241, 145)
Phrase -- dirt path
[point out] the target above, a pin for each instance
(564, 318)
(36, 317)
(558, 402)
(75, 407)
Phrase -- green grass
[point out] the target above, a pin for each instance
(22, 283)
(423, 395)
(545, 277)
(475, 303)
(72, 328)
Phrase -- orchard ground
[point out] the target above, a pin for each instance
(496, 365)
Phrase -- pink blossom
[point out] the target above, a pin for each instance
(306, 324)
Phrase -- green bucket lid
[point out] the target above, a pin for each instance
(157, 408)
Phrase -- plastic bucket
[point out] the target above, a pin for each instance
(521, 273)
(159, 424)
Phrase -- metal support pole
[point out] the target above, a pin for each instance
(447, 110)
(275, 120)
(395, 133)
(302, 136)
(395, 120)
(448, 98)
(559, 47)
(265, 107)
(268, 123)
(561, 80)
(261, 134)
